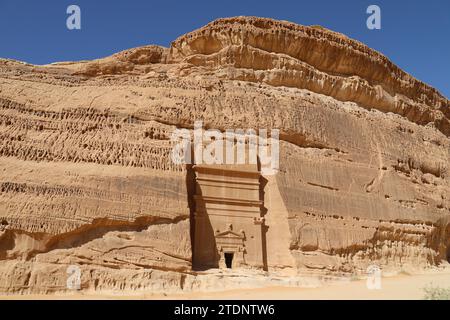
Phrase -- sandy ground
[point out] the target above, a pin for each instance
(395, 287)
(399, 287)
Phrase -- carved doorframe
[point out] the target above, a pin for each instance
(231, 242)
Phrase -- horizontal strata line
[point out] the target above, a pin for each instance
(313, 68)
(322, 186)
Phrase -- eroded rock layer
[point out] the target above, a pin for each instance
(86, 176)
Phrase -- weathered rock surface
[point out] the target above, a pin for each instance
(86, 175)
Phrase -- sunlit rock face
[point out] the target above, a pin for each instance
(87, 178)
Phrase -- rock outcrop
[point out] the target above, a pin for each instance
(86, 176)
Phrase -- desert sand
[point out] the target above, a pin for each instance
(403, 287)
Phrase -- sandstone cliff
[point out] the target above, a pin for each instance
(86, 176)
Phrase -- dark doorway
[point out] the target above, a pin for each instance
(448, 254)
(228, 259)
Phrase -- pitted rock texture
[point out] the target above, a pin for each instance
(86, 176)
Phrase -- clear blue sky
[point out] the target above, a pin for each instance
(415, 34)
